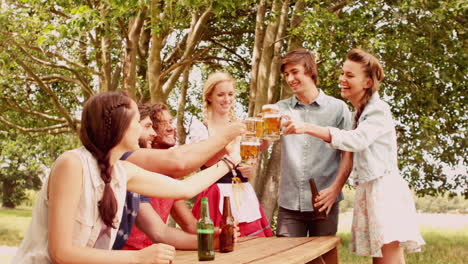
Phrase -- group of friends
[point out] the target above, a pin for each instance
(102, 196)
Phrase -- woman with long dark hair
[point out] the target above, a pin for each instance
(79, 206)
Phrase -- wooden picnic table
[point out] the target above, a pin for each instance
(271, 250)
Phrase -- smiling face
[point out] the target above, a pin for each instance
(147, 134)
(165, 130)
(353, 81)
(297, 79)
(222, 98)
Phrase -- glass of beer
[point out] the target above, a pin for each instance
(249, 150)
(271, 122)
(259, 127)
(251, 124)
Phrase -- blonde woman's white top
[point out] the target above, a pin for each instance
(88, 224)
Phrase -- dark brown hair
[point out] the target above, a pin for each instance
(145, 110)
(372, 69)
(104, 121)
(304, 58)
(156, 113)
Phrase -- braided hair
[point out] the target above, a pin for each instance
(373, 70)
(104, 121)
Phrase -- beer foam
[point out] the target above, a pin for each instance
(274, 115)
(248, 143)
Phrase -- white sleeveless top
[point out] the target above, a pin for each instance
(88, 224)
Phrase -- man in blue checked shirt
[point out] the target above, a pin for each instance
(304, 157)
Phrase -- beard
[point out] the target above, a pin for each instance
(143, 143)
(161, 145)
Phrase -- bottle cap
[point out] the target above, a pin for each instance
(204, 199)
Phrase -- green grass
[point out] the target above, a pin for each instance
(442, 246)
(13, 225)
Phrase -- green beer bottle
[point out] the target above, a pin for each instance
(205, 232)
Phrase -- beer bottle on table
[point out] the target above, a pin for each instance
(205, 232)
(226, 238)
(317, 214)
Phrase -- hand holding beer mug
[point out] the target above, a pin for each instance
(271, 122)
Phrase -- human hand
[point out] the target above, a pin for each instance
(232, 131)
(156, 254)
(291, 126)
(247, 170)
(326, 199)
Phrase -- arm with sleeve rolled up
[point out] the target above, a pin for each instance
(183, 160)
(63, 206)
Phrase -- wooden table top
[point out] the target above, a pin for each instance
(271, 250)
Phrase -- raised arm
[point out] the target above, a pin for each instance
(157, 185)
(64, 190)
(185, 159)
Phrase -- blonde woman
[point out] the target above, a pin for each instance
(218, 111)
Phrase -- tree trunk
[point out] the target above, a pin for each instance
(106, 63)
(131, 51)
(181, 109)
(269, 90)
(194, 36)
(257, 53)
(154, 61)
(7, 191)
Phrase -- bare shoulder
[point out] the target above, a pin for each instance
(68, 160)
(66, 171)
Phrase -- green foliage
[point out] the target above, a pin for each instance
(23, 164)
(422, 47)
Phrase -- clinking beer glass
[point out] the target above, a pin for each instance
(250, 142)
(249, 150)
(271, 122)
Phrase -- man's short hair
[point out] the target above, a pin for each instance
(304, 58)
(145, 110)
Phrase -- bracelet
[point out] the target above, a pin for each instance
(234, 166)
(229, 163)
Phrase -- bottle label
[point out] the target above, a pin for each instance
(205, 231)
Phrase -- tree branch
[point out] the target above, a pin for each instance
(184, 62)
(46, 89)
(55, 129)
(246, 64)
(12, 104)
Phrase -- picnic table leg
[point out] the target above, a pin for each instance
(331, 257)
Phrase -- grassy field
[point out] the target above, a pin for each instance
(444, 245)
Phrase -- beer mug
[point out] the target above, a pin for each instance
(249, 150)
(271, 122)
(251, 125)
(259, 127)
